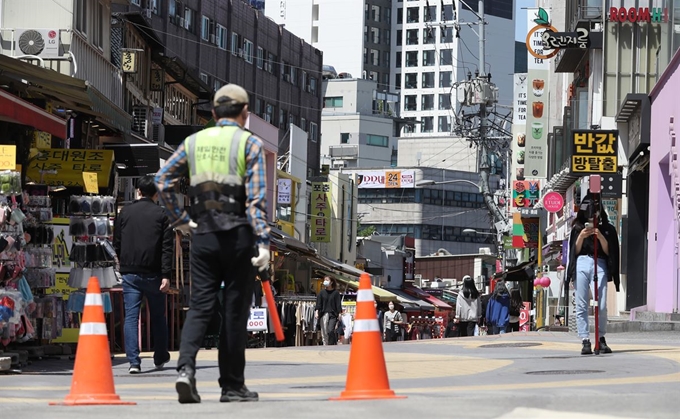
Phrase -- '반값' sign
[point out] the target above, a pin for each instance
(594, 151)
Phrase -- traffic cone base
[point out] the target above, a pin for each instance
(367, 373)
(92, 382)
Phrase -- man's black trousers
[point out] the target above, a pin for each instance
(217, 257)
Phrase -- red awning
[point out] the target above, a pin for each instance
(441, 305)
(19, 111)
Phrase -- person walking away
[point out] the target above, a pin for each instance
(468, 307)
(497, 311)
(582, 266)
(451, 327)
(516, 306)
(392, 322)
(328, 308)
(230, 237)
(143, 241)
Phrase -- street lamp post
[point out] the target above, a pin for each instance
(499, 237)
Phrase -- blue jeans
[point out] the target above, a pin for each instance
(584, 285)
(135, 288)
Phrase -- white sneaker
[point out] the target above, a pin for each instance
(134, 369)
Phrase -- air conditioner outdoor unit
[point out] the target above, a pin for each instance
(181, 22)
(286, 77)
(339, 164)
(158, 135)
(139, 120)
(212, 38)
(240, 52)
(147, 13)
(43, 43)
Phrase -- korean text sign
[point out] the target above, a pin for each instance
(321, 212)
(56, 166)
(594, 151)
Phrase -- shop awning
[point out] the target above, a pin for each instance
(18, 111)
(403, 297)
(380, 294)
(439, 304)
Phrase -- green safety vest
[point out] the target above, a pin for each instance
(217, 154)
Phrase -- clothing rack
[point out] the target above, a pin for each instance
(294, 298)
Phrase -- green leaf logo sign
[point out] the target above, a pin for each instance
(542, 17)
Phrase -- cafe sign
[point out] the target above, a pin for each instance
(560, 40)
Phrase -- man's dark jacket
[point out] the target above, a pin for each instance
(143, 239)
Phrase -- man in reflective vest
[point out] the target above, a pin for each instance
(226, 169)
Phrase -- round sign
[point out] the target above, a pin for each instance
(553, 202)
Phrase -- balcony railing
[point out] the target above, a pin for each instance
(97, 69)
(344, 151)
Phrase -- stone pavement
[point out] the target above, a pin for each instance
(516, 376)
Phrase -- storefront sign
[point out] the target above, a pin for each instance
(538, 79)
(157, 116)
(525, 194)
(129, 63)
(321, 212)
(61, 246)
(553, 202)
(56, 166)
(531, 227)
(157, 82)
(558, 40)
(42, 139)
(594, 151)
(639, 15)
(519, 123)
(386, 179)
(257, 322)
(284, 191)
(525, 318)
(90, 180)
(8, 157)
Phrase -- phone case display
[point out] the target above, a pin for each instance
(91, 253)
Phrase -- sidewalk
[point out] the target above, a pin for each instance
(506, 376)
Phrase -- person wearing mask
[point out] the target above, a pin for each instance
(143, 241)
(328, 308)
(392, 323)
(582, 266)
(228, 218)
(498, 309)
(516, 306)
(468, 307)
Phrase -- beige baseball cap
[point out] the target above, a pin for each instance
(231, 94)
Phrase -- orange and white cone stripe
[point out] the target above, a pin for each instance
(93, 328)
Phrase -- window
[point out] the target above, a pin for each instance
(189, 20)
(268, 112)
(293, 76)
(410, 125)
(388, 15)
(386, 59)
(400, 15)
(447, 12)
(375, 35)
(175, 10)
(258, 107)
(386, 36)
(248, 51)
(446, 57)
(137, 2)
(444, 124)
(303, 124)
(411, 104)
(204, 78)
(428, 58)
(427, 124)
(397, 62)
(428, 80)
(400, 34)
(375, 57)
(411, 81)
(411, 58)
(446, 34)
(217, 84)
(445, 79)
(412, 15)
(377, 140)
(313, 132)
(444, 101)
(81, 7)
(429, 36)
(386, 80)
(260, 57)
(234, 43)
(98, 29)
(205, 28)
(344, 138)
(312, 85)
(412, 37)
(430, 13)
(397, 81)
(155, 6)
(270, 65)
(221, 37)
(283, 118)
(375, 13)
(427, 102)
(332, 102)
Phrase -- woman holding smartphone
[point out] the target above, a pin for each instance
(582, 266)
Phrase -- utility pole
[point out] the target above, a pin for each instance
(480, 92)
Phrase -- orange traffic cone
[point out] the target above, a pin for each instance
(92, 381)
(367, 373)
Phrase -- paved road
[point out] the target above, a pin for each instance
(527, 376)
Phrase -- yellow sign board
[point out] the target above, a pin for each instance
(321, 212)
(61, 286)
(57, 166)
(90, 179)
(8, 157)
(129, 62)
(42, 139)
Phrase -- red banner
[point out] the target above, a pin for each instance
(525, 317)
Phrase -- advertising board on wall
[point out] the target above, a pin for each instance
(385, 179)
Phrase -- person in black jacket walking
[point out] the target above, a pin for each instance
(328, 308)
(142, 239)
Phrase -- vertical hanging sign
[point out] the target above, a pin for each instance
(538, 66)
(321, 212)
(519, 125)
